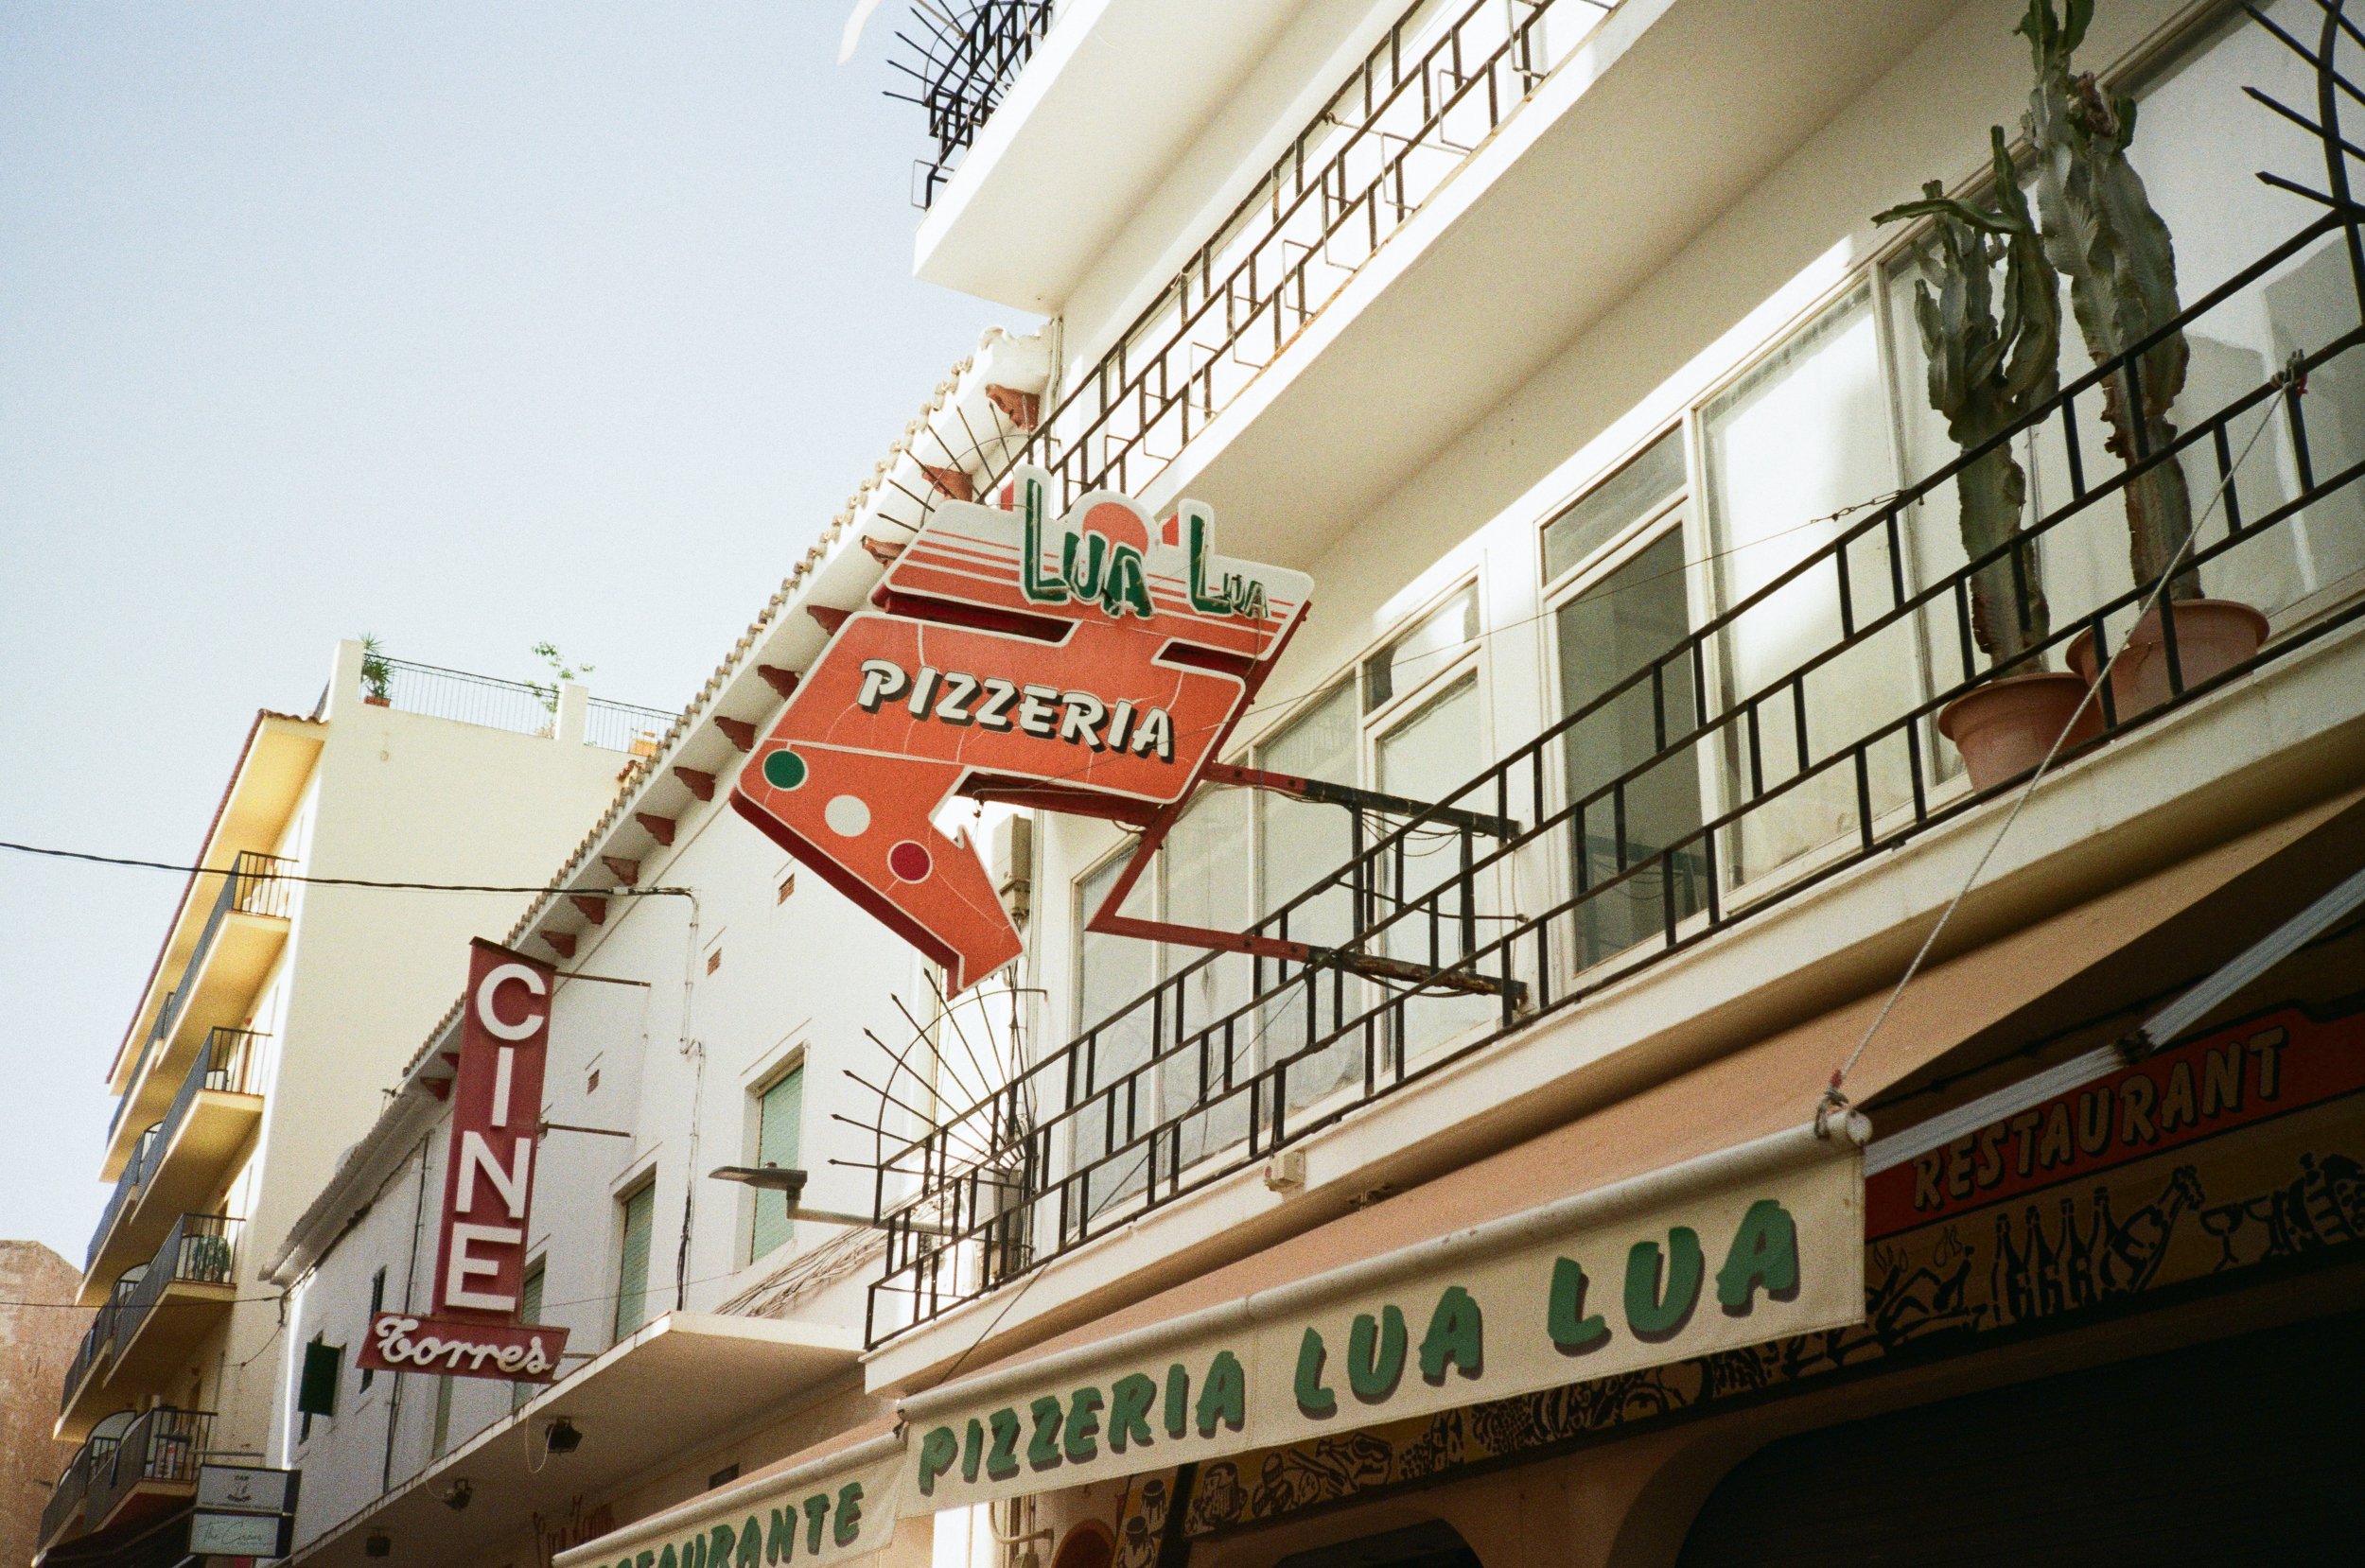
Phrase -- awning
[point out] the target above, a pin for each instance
(833, 1502)
(678, 1381)
(1542, 1240)
(2080, 962)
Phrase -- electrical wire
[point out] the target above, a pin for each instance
(1834, 1097)
(335, 881)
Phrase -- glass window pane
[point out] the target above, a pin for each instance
(1426, 650)
(528, 1311)
(1111, 972)
(1301, 843)
(779, 1119)
(1805, 435)
(1654, 478)
(1205, 872)
(1611, 630)
(1428, 756)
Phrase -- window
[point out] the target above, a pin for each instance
(779, 1120)
(315, 1389)
(1412, 656)
(377, 1304)
(1803, 435)
(1631, 606)
(637, 1222)
(1427, 755)
(528, 1311)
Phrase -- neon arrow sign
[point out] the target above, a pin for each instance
(1090, 665)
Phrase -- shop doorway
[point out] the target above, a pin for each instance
(1435, 1544)
(2244, 1450)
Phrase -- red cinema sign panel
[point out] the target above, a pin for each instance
(471, 1326)
(496, 1123)
(1091, 665)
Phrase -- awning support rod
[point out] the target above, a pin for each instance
(2178, 1017)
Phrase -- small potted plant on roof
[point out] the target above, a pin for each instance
(378, 675)
(1987, 371)
(2102, 234)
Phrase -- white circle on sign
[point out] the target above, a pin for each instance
(848, 818)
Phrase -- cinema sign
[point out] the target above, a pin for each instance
(471, 1328)
(1093, 664)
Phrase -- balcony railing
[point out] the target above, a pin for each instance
(1497, 905)
(1442, 80)
(228, 1063)
(66, 1499)
(521, 707)
(620, 726)
(257, 884)
(98, 1346)
(127, 1188)
(198, 1252)
(968, 53)
(164, 1447)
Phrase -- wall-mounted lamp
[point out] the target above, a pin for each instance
(790, 1184)
(378, 1543)
(562, 1437)
(458, 1495)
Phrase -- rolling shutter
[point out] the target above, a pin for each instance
(632, 1268)
(780, 1118)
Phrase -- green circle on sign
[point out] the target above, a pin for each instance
(784, 770)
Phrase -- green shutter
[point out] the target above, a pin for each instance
(528, 1311)
(780, 1117)
(632, 1269)
(316, 1392)
(443, 1414)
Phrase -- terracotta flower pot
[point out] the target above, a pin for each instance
(379, 702)
(2212, 636)
(2005, 728)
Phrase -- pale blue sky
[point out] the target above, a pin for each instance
(470, 326)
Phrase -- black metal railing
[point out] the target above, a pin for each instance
(620, 726)
(966, 55)
(1436, 86)
(256, 884)
(127, 1188)
(228, 1063)
(98, 1346)
(66, 1499)
(199, 1250)
(164, 1447)
(1440, 937)
(520, 707)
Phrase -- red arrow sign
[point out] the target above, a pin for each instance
(1095, 667)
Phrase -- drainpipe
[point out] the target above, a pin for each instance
(409, 1276)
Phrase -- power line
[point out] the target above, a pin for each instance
(335, 881)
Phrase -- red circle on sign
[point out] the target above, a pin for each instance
(910, 860)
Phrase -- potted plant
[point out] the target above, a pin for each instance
(2102, 235)
(1987, 371)
(378, 675)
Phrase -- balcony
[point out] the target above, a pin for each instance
(1401, 126)
(154, 1321)
(63, 1515)
(241, 939)
(151, 1469)
(1781, 744)
(112, 1250)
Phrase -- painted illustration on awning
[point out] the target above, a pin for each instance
(1091, 664)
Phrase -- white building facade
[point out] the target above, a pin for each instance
(283, 982)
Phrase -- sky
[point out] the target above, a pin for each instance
(470, 326)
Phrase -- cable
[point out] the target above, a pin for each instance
(335, 881)
(1833, 1099)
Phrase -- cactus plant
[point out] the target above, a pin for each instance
(1985, 373)
(2101, 233)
